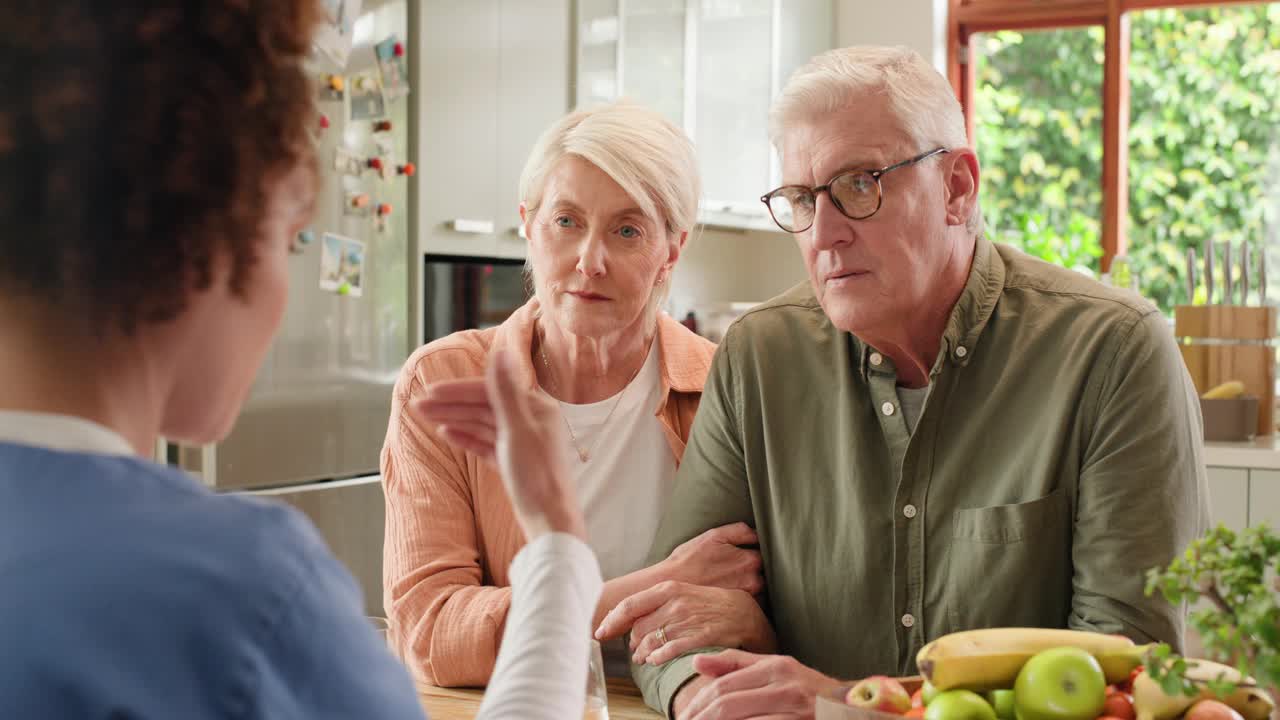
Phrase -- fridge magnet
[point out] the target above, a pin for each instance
(391, 65)
(358, 204)
(346, 162)
(333, 40)
(366, 96)
(332, 88)
(381, 215)
(303, 239)
(382, 166)
(342, 265)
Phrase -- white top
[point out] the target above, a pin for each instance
(626, 482)
(541, 671)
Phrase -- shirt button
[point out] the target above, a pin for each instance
(887, 408)
(876, 359)
(961, 351)
(908, 620)
(909, 511)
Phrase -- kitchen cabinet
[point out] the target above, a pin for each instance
(1243, 497)
(1264, 498)
(713, 67)
(1229, 497)
(490, 77)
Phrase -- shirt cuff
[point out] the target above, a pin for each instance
(565, 555)
(661, 686)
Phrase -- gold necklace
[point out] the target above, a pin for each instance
(584, 454)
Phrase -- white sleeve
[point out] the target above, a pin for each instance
(541, 670)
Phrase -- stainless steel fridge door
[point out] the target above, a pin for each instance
(319, 406)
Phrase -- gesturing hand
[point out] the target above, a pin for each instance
(518, 429)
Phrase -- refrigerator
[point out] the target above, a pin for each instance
(312, 427)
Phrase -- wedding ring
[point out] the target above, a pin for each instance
(662, 637)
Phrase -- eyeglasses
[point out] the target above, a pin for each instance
(857, 194)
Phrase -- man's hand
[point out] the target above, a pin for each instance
(672, 618)
(734, 685)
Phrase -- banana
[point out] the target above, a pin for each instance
(1151, 703)
(1227, 390)
(990, 659)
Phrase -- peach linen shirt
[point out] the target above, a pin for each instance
(450, 531)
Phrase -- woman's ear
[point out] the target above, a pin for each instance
(674, 248)
(526, 219)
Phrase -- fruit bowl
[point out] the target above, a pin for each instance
(833, 707)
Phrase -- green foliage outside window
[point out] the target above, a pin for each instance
(1204, 140)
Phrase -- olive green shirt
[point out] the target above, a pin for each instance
(1057, 457)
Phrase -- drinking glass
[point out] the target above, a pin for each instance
(597, 707)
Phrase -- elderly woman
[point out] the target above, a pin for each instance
(608, 198)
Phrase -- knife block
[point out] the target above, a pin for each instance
(1231, 342)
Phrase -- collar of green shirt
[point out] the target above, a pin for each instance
(969, 316)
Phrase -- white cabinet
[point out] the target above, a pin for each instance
(491, 75)
(1242, 497)
(1229, 497)
(713, 67)
(1264, 498)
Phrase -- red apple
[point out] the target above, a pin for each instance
(1211, 710)
(1119, 705)
(880, 692)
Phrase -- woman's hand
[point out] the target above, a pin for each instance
(672, 618)
(461, 413)
(715, 558)
(520, 431)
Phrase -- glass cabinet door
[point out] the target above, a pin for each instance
(734, 82)
(598, 35)
(653, 55)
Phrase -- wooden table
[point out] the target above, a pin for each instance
(625, 702)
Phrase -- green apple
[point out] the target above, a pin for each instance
(1064, 683)
(958, 705)
(927, 693)
(1002, 702)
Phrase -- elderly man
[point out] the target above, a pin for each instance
(934, 433)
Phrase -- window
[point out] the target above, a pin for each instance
(1126, 127)
(1038, 117)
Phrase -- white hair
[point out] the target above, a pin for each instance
(917, 95)
(648, 156)
(651, 159)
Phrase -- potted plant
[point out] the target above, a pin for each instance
(1239, 575)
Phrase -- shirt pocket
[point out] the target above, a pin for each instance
(1010, 565)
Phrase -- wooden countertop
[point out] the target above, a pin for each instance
(625, 702)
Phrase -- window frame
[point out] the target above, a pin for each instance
(967, 17)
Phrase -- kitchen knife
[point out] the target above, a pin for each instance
(1191, 276)
(1227, 285)
(1262, 276)
(1244, 273)
(1208, 272)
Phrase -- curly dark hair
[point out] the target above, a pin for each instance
(136, 141)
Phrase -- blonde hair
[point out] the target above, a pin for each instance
(648, 156)
(917, 95)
